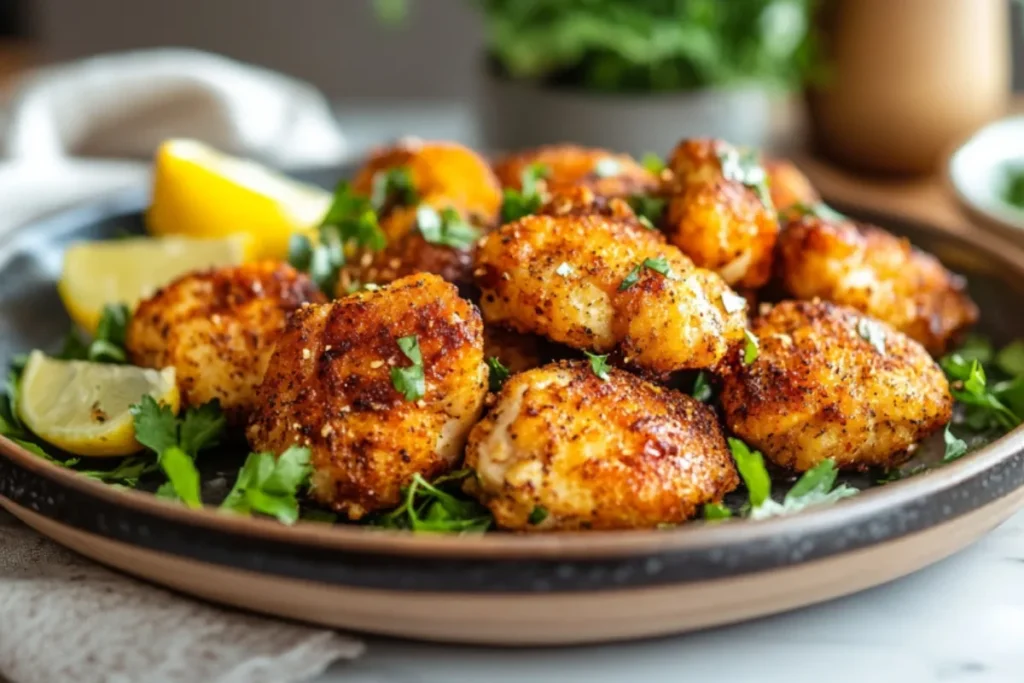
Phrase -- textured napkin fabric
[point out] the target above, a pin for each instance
(62, 617)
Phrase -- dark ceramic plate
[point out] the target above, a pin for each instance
(503, 588)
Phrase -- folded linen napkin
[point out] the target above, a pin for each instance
(63, 618)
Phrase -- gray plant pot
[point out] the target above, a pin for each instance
(519, 114)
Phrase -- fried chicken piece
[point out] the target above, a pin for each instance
(603, 285)
(788, 185)
(516, 351)
(444, 175)
(869, 269)
(564, 450)
(331, 387)
(717, 220)
(830, 383)
(605, 173)
(217, 328)
(583, 201)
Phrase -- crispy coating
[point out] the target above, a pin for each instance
(329, 387)
(516, 351)
(593, 454)
(788, 185)
(720, 223)
(869, 269)
(561, 277)
(819, 389)
(605, 173)
(583, 201)
(446, 175)
(218, 329)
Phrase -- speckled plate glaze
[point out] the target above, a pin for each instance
(501, 588)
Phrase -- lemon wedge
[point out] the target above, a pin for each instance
(201, 192)
(128, 270)
(83, 408)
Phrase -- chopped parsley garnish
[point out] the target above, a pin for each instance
(733, 302)
(270, 485)
(955, 448)
(819, 210)
(649, 207)
(608, 167)
(1013, 186)
(653, 163)
(177, 441)
(393, 187)
(537, 515)
(744, 167)
(658, 265)
(751, 347)
(437, 506)
(872, 332)
(986, 409)
(446, 228)
(1010, 358)
(410, 381)
(714, 511)
(564, 269)
(528, 199)
(497, 374)
(108, 346)
(599, 365)
(815, 487)
(702, 387)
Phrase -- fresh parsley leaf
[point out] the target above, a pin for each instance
(650, 207)
(975, 382)
(702, 388)
(977, 347)
(446, 228)
(873, 333)
(750, 464)
(75, 347)
(751, 347)
(113, 325)
(733, 303)
(10, 422)
(102, 351)
(528, 199)
(658, 265)
(156, 425)
(428, 507)
(537, 515)
(607, 167)
(126, 473)
(653, 163)
(182, 474)
(108, 346)
(394, 186)
(814, 487)
(270, 486)
(498, 373)
(955, 448)
(714, 511)
(599, 365)
(744, 166)
(1010, 358)
(410, 381)
(968, 385)
(820, 210)
(818, 480)
(202, 427)
(300, 252)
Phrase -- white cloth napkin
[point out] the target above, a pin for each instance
(63, 618)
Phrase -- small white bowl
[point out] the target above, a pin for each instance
(977, 172)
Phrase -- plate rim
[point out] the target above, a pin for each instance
(690, 537)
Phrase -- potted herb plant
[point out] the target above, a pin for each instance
(637, 75)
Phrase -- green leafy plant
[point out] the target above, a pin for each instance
(645, 45)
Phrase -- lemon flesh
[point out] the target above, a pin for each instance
(128, 270)
(201, 192)
(84, 408)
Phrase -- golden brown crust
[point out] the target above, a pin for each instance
(819, 389)
(721, 224)
(516, 351)
(574, 166)
(217, 329)
(329, 387)
(788, 185)
(560, 277)
(583, 201)
(593, 454)
(446, 175)
(869, 269)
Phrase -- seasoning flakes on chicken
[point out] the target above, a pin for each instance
(720, 213)
(827, 382)
(379, 386)
(605, 285)
(564, 450)
(789, 187)
(462, 197)
(569, 166)
(869, 269)
(218, 329)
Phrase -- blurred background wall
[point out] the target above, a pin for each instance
(339, 45)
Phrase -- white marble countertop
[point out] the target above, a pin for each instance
(959, 620)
